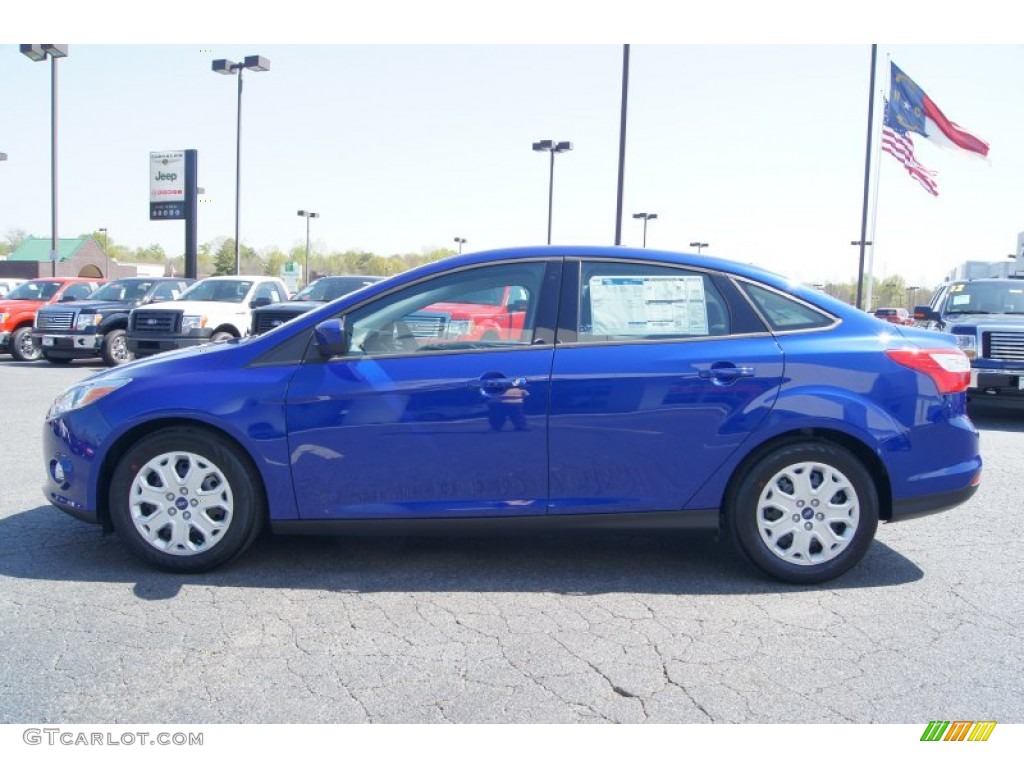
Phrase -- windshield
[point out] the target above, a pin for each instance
(330, 288)
(975, 298)
(218, 290)
(35, 290)
(122, 290)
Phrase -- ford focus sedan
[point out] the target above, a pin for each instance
(633, 389)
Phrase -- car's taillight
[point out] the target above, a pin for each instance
(948, 368)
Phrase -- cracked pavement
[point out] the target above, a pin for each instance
(616, 628)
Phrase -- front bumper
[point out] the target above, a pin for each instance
(69, 345)
(71, 461)
(142, 345)
(5, 341)
(997, 382)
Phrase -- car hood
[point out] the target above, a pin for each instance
(19, 305)
(291, 306)
(90, 306)
(973, 318)
(197, 307)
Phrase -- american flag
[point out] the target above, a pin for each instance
(902, 148)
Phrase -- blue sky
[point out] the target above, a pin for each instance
(408, 130)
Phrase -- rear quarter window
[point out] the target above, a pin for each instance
(786, 313)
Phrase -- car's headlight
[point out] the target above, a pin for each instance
(84, 393)
(969, 345)
(192, 323)
(458, 328)
(87, 321)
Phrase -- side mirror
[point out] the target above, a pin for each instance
(519, 305)
(924, 313)
(262, 301)
(332, 337)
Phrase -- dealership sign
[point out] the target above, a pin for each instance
(167, 185)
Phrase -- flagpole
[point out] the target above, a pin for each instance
(867, 178)
(874, 213)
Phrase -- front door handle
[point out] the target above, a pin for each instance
(495, 385)
(726, 373)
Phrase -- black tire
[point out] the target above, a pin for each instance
(22, 346)
(187, 500)
(56, 359)
(783, 523)
(222, 336)
(115, 348)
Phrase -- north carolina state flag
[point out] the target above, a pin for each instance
(911, 110)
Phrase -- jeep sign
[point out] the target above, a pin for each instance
(167, 185)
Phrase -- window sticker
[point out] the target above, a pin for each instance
(651, 305)
(961, 298)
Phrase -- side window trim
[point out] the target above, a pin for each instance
(543, 321)
(569, 305)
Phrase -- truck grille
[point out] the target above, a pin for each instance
(156, 321)
(265, 321)
(1003, 345)
(55, 321)
(426, 326)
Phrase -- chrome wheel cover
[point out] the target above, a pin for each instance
(808, 513)
(181, 503)
(119, 350)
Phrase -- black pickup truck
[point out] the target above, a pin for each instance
(315, 294)
(95, 327)
(987, 318)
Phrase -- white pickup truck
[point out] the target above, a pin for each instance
(212, 310)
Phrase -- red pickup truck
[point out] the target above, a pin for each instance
(491, 315)
(18, 310)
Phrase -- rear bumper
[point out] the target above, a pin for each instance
(928, 505)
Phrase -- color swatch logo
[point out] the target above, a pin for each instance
(958, 730)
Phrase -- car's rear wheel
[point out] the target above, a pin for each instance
(115, 348)
(23, 348)
(186, 499)
(805, 512)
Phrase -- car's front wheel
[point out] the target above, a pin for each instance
(186, 499)
(805, 512)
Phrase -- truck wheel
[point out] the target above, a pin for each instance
(115, 348)
(22, 346)
(221, 336)
(186, 500)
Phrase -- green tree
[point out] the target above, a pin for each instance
(224, 258)
(13, 240)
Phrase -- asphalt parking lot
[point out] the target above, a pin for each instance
(541, 629)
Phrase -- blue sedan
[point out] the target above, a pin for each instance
(628, 388)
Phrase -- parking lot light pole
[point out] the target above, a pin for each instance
(555, 148)
(308, 215)
(227, 67)
(461, 241)
(40, 52)
(698, 245)
(106, 253)
(646, 217)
